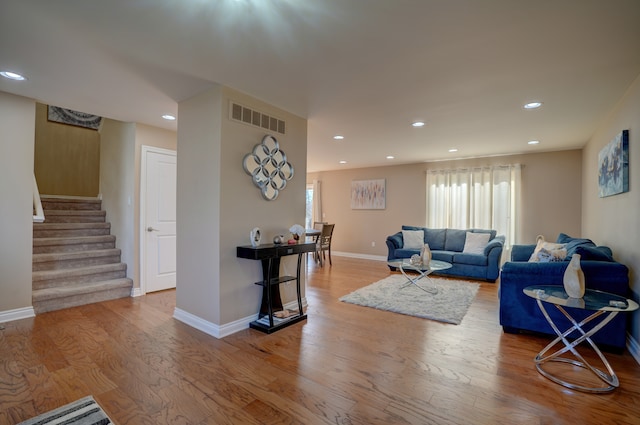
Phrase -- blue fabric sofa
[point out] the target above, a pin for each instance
(447, 245)
(518, 312)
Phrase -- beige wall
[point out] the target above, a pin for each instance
(613, 221)
(67, 157)
(198, 206)
(243, 208)
(117, 173)
(218, 205)
(120, 182)
(17, 115)
(551, 199)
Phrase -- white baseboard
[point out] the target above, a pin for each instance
(136, 292)
(17, 314)
(361, 256)
(220, 331)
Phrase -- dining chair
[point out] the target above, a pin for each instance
(317, 225)
(324, 243)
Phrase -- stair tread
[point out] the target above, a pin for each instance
(80, 288)
(61, 240)
(77, 271)
(62, 226)
(57, 256)
(74, 212)
(49, 198)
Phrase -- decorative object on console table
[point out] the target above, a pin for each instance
(272, 307)
(255, 236)
(297, 231)
(613, 166)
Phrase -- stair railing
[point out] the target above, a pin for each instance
(38, 212)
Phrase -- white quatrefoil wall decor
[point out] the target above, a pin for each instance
(268, 167)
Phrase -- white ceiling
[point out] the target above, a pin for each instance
(362, 68)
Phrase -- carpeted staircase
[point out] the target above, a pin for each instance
(75, 261)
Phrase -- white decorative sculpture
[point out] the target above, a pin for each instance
(574, 278)
(426, 254)
(255, 237)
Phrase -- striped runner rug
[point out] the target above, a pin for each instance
(81, 412)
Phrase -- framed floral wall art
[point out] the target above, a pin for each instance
(613, 166)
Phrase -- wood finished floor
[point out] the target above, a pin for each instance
(345, 365)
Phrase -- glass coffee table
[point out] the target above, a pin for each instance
(602, 304)
(423, 271)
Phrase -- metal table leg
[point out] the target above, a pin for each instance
(609, 377)
(421, 275)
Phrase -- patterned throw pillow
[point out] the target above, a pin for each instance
(546, 252)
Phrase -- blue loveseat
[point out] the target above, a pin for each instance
(447, 245)
(518, 312)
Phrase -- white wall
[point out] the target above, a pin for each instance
(17, 132)
(613, 221)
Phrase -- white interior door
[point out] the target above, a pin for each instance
(158, 190)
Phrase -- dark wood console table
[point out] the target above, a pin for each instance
(270, 256)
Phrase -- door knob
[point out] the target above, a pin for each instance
(151, 229)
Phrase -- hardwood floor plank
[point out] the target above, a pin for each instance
(344, 365)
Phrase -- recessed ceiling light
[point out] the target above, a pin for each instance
(390, 157)
(418, 124)
(533, 142)
(343, 162)
(169, 117)
(12, 76)
(532, 105)
(338, 137)
(453, 150)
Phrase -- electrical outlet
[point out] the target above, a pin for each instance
(373, 243)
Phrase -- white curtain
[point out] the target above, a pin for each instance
(317, 202)
(483, 197)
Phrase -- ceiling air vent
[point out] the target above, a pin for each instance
(242, 114)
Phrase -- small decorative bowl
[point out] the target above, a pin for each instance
(415, 260)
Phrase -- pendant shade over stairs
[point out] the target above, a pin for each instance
(75, 261)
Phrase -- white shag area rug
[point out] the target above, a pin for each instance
(449, 304)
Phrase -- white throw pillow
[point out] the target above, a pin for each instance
(475, 243)
(413, 239)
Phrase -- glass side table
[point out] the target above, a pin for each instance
(604, 306)
(423, 270)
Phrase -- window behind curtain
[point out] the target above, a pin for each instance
(308, 221)
(483, 197)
